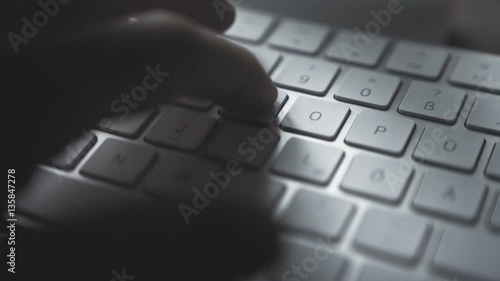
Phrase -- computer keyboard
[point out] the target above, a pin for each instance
(384, 160)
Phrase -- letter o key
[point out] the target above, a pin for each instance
(315, 116)
(366, 92)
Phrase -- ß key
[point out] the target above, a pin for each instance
(380, 132)
(368, 88)
(433, 102)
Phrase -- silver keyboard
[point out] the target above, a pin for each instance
(384, 160)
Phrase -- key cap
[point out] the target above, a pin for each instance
(451, 195)
(306, 262)
(119, 162)
(417, 59)
(481, 72)
(473, 255)
(130, 126)
(495, 216)
(177, 174)
(62, 200)
(368, 88)
(380, 178)
(311, 76)
(449, 148)
(377, 273)
(391, 235)
(263, 118)
(269, 59)
(318, 214)
(433, 102)
(493, 169)
(262, 192)
(308, 161)
(316, 118)
(193, 102)
(180, 128)
(250, 25)
(380, 132)
(249, 146)
(299, 36)
(485, 116)
(344, 48)
(74, 152)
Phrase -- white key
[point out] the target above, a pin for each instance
(180, 128)
(177, 174)
(119, 162)
(495, 216)
(299, 36)
(249, 146)
(449, 148)
(306, 262)
(308, 161)
(311, 76)
(376, 177)
(250, 25)
(433, 102)
(472, 255)
(316, 118)
(380, 132)
(368, 88)
(480, 72)
(485, 115)
(392, 235)
(417, 59)
(318, 214)
(345, 48)
(493, 169)
(376, 273)
(129, 126)
(451, 195)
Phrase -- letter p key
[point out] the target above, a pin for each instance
(380, 129)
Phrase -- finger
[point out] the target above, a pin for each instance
(226, 239)
(216, 14)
